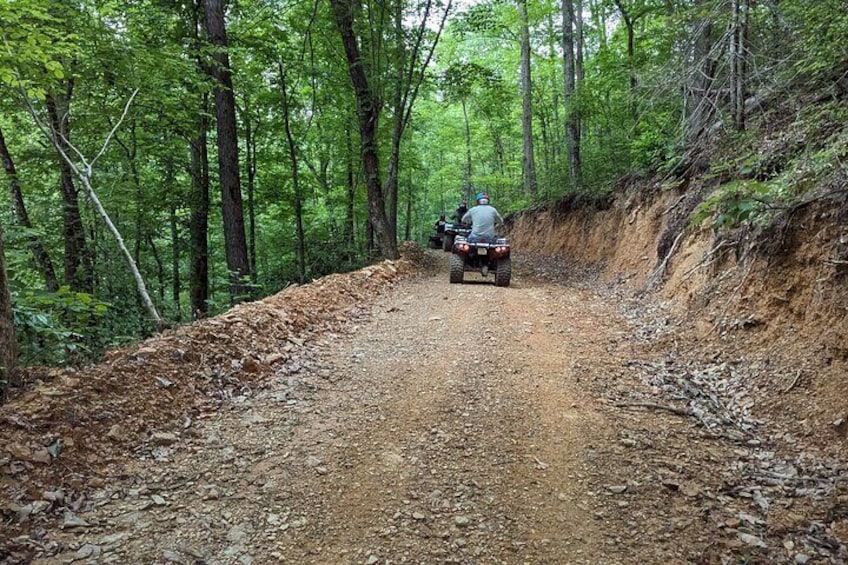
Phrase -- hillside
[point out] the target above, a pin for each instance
(749, 254)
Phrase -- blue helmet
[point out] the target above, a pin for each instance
(482, 198)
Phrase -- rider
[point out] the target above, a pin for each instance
(440, 225)
(460, 211)
(482, 218)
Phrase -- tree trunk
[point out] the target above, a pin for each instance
(529, 160)
(629, 23)
(199, 220)
(39, 252)
(398, 121)
(469, 186)
(369, 239)
(368, 109)
(199, 196)
(555, 139)
(738, 35)
(409, 209)
(8, 340)
(349, 228)
(579, 74)
(579, 43)
(300, 249)
(78, 265)
(160, 268)
(498, 150)
(176, 285)
(700, 96)
(572, 128)
(250, 144)
(235, 242)
(547, 148)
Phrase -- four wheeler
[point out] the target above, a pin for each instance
(438, 239)
(453, 231)
(481, 257)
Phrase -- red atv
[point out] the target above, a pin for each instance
(481, 257)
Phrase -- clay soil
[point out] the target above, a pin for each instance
(391, 417)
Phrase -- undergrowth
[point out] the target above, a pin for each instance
(766, 172)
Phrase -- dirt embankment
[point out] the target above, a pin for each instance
(779, 296)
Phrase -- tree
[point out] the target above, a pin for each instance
(78, 262)
(529, 162)
(738, 48)
(39, 252)
(229, 177)
(368, 109)
(37, 61)
(631, 12)
(84, 171)
(572, 126)
(295, 172)
(462, 82)
(700, 103)
(8, 342)
(408, 80)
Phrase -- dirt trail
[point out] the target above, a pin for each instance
(449, 424)
(446, 425)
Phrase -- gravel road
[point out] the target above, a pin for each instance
(441, 424)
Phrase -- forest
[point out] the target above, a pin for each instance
(166, 159)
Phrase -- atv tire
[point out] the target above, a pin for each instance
(457, 269)
(434, 244)
(503, 272)
(447, 243)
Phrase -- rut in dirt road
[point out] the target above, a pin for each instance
(450, 424)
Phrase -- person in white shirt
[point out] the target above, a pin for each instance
(483, 217)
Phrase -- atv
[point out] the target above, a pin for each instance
(481, 257)
(436, 241)
(453, 231)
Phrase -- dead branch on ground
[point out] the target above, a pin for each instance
(794, 382)
(659, 273)
(673, 409)
(710, 257)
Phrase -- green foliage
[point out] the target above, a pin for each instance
(736, 203)
(101, 51)
(33, 45)
(820, 29)
(56, 327)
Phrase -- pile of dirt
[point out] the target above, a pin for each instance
(68, 431)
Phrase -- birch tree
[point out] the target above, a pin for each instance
(84, 171)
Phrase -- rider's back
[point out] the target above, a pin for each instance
(483, 218)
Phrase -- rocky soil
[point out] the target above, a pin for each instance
(560, 420)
